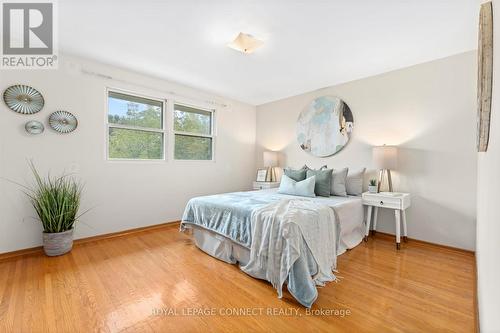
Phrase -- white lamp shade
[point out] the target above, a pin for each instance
(385, 157)
(270, 159)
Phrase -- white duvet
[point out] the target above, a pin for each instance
(349, 212)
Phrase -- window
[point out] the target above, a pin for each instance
(135, 127)
(193, 130)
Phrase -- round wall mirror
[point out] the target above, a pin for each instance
(324, 126)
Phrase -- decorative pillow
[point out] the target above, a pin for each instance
(354, 182)
(297, 175)
(323, 181)
(339, 182)
(303, 188)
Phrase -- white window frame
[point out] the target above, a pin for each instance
(162, 130)
(211, 135)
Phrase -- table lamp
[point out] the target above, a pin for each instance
(270, 162)
(385, 159)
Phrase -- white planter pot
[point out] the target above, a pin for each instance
(372, 189)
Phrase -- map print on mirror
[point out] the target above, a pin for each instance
(324, 126)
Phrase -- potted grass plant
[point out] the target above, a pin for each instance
(372, 186)
(56, 201)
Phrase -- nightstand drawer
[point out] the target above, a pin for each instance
(391, 203)
(392, 200)
(265, 185)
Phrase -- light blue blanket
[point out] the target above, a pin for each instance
(230, 215)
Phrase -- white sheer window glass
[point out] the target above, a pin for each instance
(135, 127)
(193, 133)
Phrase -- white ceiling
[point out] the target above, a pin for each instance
(308, 44)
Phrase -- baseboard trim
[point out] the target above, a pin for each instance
(476, 300)
(39, 249)
(172, 224)
(385, 234)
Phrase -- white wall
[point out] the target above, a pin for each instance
(427, 110)
(121, 195)
(488, 200)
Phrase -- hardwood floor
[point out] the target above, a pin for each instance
(135, 283)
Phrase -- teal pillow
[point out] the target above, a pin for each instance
(323, 181)
(297, 175)
(304, 188)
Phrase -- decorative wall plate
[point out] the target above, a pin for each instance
(63, 121)
(34, 127)
(23, 99)
(324, 126)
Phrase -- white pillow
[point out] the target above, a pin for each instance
(304, 188)
(354, 182)
(338, 182)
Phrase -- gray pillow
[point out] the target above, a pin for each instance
(354, 182)
(339, 182)
(296, 175)
(323, 181)
(303, 188)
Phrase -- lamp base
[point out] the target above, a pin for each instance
(271, 175)
(381, 174)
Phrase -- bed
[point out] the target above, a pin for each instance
(221, 226)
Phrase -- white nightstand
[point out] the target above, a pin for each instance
(265, 185)
(392, 200)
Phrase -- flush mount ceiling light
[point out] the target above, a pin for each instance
(245, 43)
